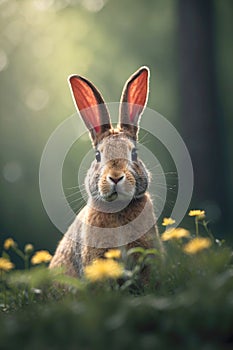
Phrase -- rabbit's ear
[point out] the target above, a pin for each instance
(91, 106)
(133, 100)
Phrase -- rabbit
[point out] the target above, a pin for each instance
(119, 212)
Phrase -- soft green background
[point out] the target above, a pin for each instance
(44, 41)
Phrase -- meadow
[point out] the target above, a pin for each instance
(187, 302)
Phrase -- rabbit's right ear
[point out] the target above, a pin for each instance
(91, 106)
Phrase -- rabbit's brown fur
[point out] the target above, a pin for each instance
(116, 177)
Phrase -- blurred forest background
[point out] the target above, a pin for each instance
(186, 43)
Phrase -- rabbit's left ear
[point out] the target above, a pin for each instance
(133, 101)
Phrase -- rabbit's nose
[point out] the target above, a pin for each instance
(114, 179)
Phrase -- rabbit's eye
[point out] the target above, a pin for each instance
(134, 155)
(97, 156)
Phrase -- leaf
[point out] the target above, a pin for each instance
(137, 250)
(126, 285)
(152, 251)
(5, 255)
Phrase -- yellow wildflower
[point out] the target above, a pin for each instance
(6, 265)
(102, 269)
(200, 214)
(168, 221)
(113, 253)
(28, 248)
(175, 233)
(9, 243)
(43, 256)
(196, 245)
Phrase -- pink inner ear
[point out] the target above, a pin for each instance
(137, 95)
(86, 100)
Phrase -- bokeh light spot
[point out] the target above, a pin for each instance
(12, 171)
(43, 5)
(43, 48)
(93, 5)
(37, 99)
(14, 31)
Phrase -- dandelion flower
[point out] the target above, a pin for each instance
(9, 243)
(28, 248)
(101, 269)
(197, 245)
(6, 265)
(200, 214)
(168, 221)
(175, 233)
(113, 253)
(43, 256)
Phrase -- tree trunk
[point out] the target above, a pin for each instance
(202, 123)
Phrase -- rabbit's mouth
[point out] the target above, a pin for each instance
(112, 197)
(118, 196)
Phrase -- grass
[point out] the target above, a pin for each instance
(186, 303)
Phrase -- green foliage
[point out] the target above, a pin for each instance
(192, 309)
(185, 303)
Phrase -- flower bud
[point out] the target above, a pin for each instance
(28, 249)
